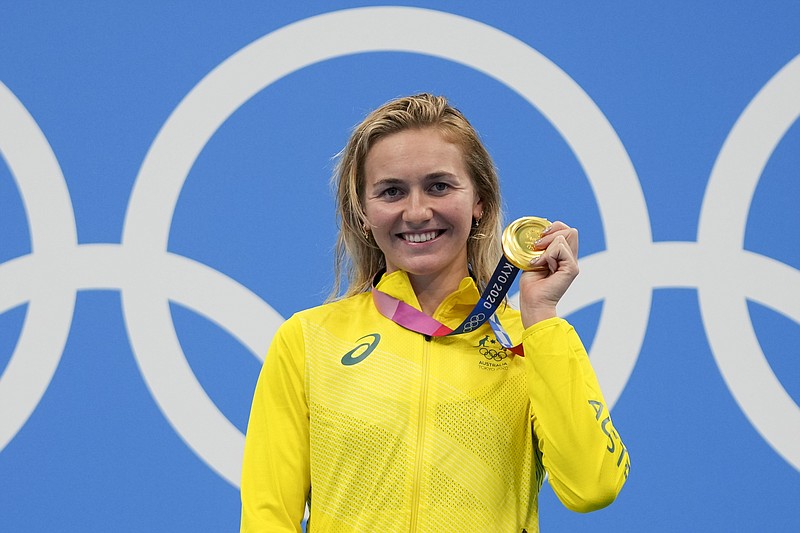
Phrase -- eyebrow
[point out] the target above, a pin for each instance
(427, 178)
(387, 181)
(439, 174)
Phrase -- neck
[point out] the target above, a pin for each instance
(432, 290)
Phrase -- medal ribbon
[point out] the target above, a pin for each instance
(415, 320)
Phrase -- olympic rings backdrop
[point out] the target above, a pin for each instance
(164, 206)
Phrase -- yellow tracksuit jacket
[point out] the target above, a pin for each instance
(379, 428)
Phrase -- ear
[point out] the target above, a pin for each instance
(477, 209)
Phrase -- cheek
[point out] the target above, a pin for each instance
(468, 212)
(378, 217)
(369, 209)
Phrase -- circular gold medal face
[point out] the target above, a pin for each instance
(519, 238)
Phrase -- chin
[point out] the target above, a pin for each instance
(426, 268)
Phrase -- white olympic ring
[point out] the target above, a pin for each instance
(149, 276)
(729, 276)
(474, 322)
(53, 236)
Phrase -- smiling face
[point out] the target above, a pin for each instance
(420, 202)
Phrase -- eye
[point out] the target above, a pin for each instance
(440, 187)
(391, 192)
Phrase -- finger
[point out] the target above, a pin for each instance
(552, 232)
(559, 253)
(548, 260)
(555, 226)
(572, 240)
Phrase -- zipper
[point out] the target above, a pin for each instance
(423, 409)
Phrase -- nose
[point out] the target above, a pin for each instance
(418, 209)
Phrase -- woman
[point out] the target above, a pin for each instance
(381, 428)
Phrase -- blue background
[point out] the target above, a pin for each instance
(101, 78)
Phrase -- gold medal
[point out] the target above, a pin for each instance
(519, 238)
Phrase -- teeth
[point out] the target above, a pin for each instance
(419, 237)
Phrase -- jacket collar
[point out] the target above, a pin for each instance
(454, 308)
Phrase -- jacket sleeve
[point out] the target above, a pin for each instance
(584, 456)
(275, 471)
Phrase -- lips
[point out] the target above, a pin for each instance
(420, 237)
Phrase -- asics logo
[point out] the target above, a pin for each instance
(362, 351)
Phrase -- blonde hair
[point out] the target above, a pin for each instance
(356, 253)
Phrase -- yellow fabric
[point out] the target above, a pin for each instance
(383, 429)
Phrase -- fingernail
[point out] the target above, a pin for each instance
(547, 230)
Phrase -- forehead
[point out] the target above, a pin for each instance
(413, 151)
